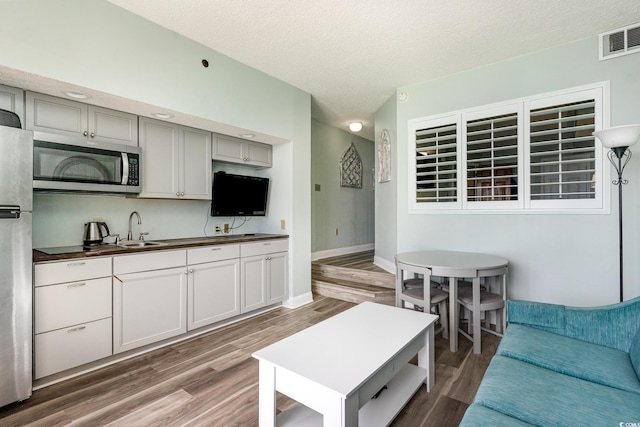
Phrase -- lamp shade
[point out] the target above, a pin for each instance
(619, 136)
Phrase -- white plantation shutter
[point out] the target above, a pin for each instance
(563, 151)
(436, 160)
(492, 158)
(535, 154)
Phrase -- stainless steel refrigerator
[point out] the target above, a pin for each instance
(16, 291)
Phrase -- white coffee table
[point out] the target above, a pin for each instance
(334, 368)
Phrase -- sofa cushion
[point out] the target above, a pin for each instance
(611, 326)
(543, 397)
(548, 317)
(634, 353)
(591, 362)
(478, 415)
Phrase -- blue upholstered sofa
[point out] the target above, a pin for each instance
(563, 366)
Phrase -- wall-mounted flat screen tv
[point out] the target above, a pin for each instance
(239, 195)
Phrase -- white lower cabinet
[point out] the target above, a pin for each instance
(214, 284)
(264, 272)
(90, 309)
(72, 314)
(148, 306)
(67, 348)
(254, 281)
(67, 304)
(214, 292)
(277, 277)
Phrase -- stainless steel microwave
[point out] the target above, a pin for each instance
(87, 169)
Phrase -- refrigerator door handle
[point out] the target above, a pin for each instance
(9, 212)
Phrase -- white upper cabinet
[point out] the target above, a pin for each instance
(196, 164)
(176, 161)
(12, 99)
(235, 150)
(70, 122)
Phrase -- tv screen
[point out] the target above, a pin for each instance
(239, 195)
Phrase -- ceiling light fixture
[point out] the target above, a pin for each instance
(76, 94)
(162, 115)
(355, 126)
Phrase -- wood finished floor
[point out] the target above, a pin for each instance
(212, 380)
(359, 260)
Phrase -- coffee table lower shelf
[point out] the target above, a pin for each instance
(376, 412)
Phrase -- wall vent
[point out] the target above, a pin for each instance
(622, 41)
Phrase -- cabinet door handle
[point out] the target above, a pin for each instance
(85, 133)
(191, 271)
(76, 285)
(79, 328)
(76, 264)
(216, 249)
(118, 279)
(92, 135)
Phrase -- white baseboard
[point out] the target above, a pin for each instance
(341, 251)
(298, 301)
(384, 264)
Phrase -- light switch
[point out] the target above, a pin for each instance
(283, 224)
(317, 187)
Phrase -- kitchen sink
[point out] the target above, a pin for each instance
(135, 244)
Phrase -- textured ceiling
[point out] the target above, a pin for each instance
(351, 55)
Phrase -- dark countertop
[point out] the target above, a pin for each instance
(110, 249)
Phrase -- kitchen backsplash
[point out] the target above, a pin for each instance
(58, 219)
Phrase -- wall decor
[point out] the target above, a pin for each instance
(384, 157)
(351, 168)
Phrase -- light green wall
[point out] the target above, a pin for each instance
(569, 259)
(350, 210)
(386, 192)
(97, 45)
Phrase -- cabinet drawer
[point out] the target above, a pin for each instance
(67, 348)
(149, 261)
(71, 270)
(265, 247)
(68, 304)
(212, 253)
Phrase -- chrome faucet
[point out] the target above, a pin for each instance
(130, 234)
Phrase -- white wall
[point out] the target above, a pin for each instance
(567, 259)
(98, 46)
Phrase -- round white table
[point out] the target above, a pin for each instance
(454, 266)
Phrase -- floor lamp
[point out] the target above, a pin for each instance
(617, 140)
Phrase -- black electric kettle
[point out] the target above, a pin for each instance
(93, 232)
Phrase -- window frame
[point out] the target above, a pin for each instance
(485, 113)
(600, 204)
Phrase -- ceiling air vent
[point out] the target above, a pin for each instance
(620, 42)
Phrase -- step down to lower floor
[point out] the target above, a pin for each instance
(352, 291)
(376, 278)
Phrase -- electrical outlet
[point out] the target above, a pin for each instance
(226, 229)
(217, 229)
